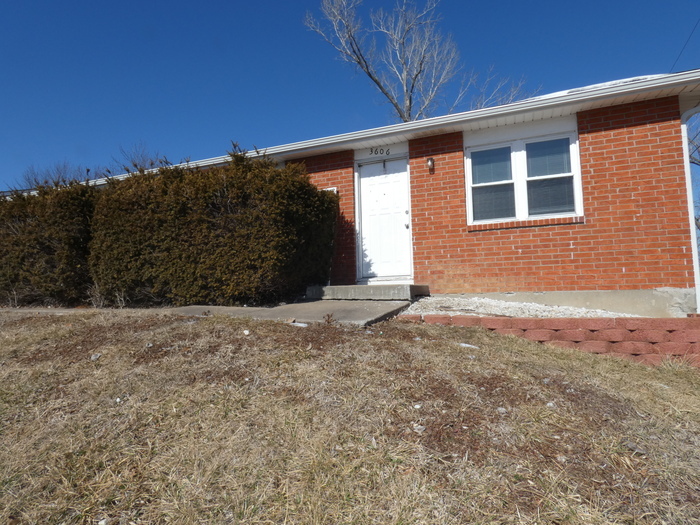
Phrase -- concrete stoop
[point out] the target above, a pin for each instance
(642, 339)
(378, 292)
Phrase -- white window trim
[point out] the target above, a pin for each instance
(519, 174)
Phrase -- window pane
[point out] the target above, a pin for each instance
(551, 196)
(493, 202)
(492, 165)
(548, 158)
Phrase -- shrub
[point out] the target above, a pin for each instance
(45, 237)
(246, 232)
(124, 252)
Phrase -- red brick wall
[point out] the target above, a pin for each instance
(634, 234)
(438, 213)
(452, 257)
(337, 170)
(635, 195)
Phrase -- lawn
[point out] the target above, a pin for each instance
(121, 417)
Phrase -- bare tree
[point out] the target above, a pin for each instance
(406, 57)
(138, 159)
(694, 141)
(60, 174)
(693, 131)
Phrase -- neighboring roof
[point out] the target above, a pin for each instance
(686, 85)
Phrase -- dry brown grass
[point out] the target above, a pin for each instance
(191, 420)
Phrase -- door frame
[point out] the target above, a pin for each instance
(359, 162)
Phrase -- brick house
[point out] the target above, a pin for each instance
(580, 197)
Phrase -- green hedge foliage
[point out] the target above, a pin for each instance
(247, 232)
(44, 239)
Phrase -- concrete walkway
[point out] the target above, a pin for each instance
(359, 313)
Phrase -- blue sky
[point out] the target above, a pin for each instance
(83, 79)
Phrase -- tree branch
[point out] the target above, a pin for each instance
(417, 63)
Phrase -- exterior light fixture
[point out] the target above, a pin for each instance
(431, 163)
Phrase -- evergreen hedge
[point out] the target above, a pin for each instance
(44, 239)
(247, 232)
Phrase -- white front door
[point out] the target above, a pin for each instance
(385, 222)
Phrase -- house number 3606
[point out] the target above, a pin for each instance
(379, 151)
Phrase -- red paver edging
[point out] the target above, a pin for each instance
(645, 340)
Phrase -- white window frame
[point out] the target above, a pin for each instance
(520, 179)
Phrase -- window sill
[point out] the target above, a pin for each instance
(530, 223)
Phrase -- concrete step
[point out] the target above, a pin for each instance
(378, 292)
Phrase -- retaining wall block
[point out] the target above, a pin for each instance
(576, 334)
(610, 334)
(562, 323)
(597, 323)
(646, 323)
(466, 320)
(595, 347)
(510, 331)
(685, 336)
(438, 319)
(632, 347)
(539, 335)
(496, 322)
(671, 348)
(529, 323)
(650, 336)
